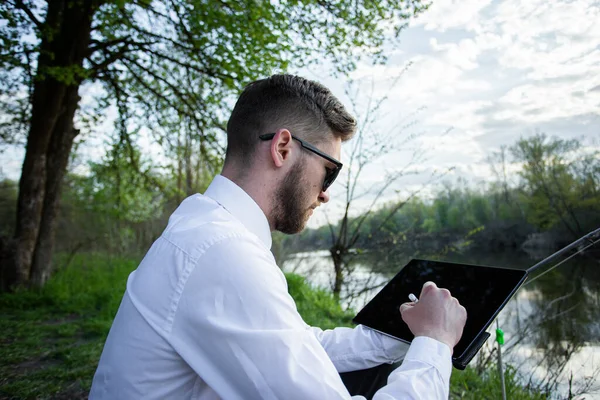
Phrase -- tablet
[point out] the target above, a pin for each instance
(483, 291)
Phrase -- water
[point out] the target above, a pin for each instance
(552, 326)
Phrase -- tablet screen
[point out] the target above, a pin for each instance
(483, 291)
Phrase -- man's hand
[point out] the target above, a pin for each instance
(437, 315)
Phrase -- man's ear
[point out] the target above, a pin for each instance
(281, 146)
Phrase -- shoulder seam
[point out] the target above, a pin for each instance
(172, 243)
(188, 270)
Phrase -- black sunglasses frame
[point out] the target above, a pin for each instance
(331, 174)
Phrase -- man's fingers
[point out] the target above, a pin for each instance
(427, 286)
(406, 306)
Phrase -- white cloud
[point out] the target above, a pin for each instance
(462, 54)
(534, 104)
(491, 71)
(452, 14)
(464, 117)
(554, 43)
(549, 39)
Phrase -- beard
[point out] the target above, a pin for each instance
(290, 213)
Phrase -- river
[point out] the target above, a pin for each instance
(552, 325)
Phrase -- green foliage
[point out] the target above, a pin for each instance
(111, 210)
(51, 339)
(16, 69)
(481, 209)
(176, 65)
(116, 189)
(561, 182)
(92, 284)
(122, 204)
(317, 306)
(469, 384)
(455, 215)
(70, 75)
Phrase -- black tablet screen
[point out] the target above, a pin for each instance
(483, 291)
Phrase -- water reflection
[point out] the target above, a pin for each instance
(552, 325)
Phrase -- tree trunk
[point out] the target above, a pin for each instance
(65, 40)
(56, 166)
(337, 255)
(179, 170)
(189, 174)
(7, 275)
(45, 107)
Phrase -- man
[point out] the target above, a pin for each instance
(207, 314)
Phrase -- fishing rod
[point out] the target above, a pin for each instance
(590, 240)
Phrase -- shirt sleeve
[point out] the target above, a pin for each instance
(424, 373)
(237, 327)
(352, 349)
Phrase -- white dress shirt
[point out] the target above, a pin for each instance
(207, 315)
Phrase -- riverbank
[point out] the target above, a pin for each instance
(51, 340)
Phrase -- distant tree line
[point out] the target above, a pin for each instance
(551, 198)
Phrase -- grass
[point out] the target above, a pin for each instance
(51, 340)
(469, 384)
(317, 307)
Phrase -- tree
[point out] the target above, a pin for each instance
(561, 180)
(113, 208)
(161, 64)
(368, 146)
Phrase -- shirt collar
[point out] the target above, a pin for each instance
(239, 204)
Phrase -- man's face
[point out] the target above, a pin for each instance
(301, 191)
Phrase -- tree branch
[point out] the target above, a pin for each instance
(171, 86)
(99, 45)
(126, 139)
(174, 60)
(21, 5)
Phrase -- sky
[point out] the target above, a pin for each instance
(483, 74)
(472, 75)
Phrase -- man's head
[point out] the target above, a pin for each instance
(283, 139)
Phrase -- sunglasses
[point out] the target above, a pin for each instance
(330, 173)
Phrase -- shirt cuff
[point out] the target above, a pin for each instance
(432, 352)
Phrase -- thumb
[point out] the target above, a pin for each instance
(406, 306)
